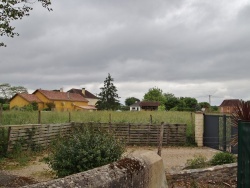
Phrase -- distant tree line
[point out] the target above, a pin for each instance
(109, 99)
(169, 101)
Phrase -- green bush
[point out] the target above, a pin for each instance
(199, 161)
(6, 106)
(84, 150)
(222, 158)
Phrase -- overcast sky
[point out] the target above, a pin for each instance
(191, 48)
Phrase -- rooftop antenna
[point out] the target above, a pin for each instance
(209, 99)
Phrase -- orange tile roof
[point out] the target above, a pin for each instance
(29, 97)
(63, 96)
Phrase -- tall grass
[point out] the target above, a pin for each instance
(21, 117)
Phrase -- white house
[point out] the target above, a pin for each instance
(135, 107)
(144, 105)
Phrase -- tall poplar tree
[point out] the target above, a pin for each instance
(108, 97)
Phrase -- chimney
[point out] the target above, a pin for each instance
(61, 89)
(83, 91)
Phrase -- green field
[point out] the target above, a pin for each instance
(23, 117)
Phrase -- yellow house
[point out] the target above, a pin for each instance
(63, 101)
(23, 99)
(60, 101)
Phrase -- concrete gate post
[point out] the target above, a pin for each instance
(199, 128)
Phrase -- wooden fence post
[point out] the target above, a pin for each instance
(110, 122)
(149, 127)
(151, 119)
(160, 138)
(69, 117)
(39, 116)
(9, 131)
(129, 126)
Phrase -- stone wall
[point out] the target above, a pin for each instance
(199, 128)
(220, 173)
(139, 170)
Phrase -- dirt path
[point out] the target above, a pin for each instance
(174, 159)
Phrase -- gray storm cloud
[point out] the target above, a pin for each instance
(142, 44)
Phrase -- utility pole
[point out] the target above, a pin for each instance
(209, 99)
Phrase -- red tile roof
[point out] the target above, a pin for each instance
(29, 97)
(230, 102)
(63, 96)
(87, 93)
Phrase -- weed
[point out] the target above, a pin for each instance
(199, 161)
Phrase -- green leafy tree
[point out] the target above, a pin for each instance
(155, 94)
(187, 104)
(4, 90)
(171, 101)
(17, 89)
(190, 102)
(131, 100)
(7, 91)
(11, 10)
(108, 97)
(204, 104)
(215, 108)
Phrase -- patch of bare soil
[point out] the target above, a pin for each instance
(37, 170)
(14, 175)
(9, 180)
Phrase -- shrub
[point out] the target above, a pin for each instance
(222, 158)
(28, 107)
(85, 149)
(199, 161)
(6, 106)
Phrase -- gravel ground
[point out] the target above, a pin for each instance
(174, 159)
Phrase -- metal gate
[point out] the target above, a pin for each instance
(244, 155)
(218, 132)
